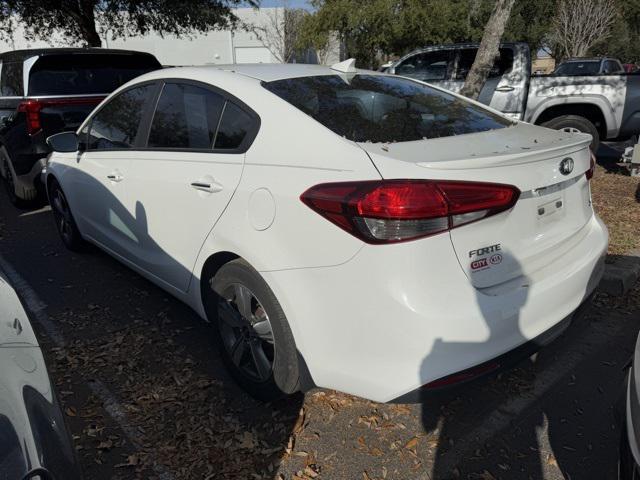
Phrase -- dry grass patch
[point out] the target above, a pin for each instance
(616, 198)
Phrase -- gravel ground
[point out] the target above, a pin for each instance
(146, 396)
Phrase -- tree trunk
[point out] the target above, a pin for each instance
(489, 49)
(87, 23)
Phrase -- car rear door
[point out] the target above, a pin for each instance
(96, 183)
(506, 86)
(182, 182)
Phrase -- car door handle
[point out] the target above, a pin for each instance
(115, 177)
(505, 88)
(209, 187)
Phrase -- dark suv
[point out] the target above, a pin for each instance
(48, 91)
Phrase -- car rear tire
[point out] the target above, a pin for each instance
(65, 223)
(10, 185)
(253, 333)
(575, 123)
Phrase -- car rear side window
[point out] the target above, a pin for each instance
(502, 65)
(86, 73)
(186, 117)
(116, 125)
(11, 79)
(234, 126)
(578, 68)
(382, 108)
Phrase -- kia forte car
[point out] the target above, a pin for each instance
(341, 228)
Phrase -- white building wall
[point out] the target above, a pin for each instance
(215, 47)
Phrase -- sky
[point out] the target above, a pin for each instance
(290, 3)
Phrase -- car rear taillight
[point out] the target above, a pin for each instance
(31, 108)
(388, 211)
(592, 165)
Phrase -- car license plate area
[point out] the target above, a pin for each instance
(551, 209)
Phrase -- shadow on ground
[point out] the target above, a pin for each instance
(154, 355)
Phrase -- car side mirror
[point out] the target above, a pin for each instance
(63, 142)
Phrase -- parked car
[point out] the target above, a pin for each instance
(34, 441)
(51, 90)
(349, 229)
(607, 106)
(629, 464)
(630, 67)
(589, 66)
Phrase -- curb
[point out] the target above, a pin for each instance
(620, 274)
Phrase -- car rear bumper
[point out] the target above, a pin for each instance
(397, 317)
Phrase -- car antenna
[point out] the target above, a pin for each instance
(347, 70)
(348, 66)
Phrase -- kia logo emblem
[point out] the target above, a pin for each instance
(566, 166)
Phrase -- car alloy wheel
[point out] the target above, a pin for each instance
(571, 130)
(246, 332)
(62, 214)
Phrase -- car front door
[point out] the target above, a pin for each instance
(96, 186)
(431, 66)
(182, 182)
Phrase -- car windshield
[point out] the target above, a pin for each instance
(578, 68)
(380, 108)
(85, 73)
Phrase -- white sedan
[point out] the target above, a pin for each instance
(340, 227)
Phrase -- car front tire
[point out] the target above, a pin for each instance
(253, 333)
(65, 223)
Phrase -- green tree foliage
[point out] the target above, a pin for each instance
(394, 27)
(77, 18)
(530, 22)
(624, 41)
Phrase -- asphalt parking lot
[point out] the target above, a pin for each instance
(146, 395)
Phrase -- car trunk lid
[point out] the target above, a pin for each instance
(552, 209)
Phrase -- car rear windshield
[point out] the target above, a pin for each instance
(377, 108)
(578, 68)
(85, 73)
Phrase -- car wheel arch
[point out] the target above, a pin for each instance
(211, 266)
(209, 269)
(593, 111)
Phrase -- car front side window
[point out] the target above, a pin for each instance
(116, 125)
(428, 66)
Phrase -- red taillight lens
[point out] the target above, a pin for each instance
(32, 108)
(592, 166)
(388, 211)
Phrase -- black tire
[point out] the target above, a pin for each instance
(221, 302)
(575, 122)
(65, 223)
(9, 185)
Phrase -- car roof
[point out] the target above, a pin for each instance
(586, 59)
(268, 72)
(21, 55)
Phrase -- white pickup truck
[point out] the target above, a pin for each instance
(606, 105)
